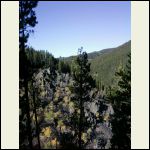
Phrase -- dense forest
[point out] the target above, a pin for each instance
(108, 60)
(77, 102)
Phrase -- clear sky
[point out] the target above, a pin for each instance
(63, 27)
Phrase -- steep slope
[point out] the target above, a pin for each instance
(104, 66)
(104, 63)
(58, 106)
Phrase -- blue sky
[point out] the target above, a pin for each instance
(63, 27)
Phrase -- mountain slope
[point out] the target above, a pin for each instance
(106, 63)
(92, 55)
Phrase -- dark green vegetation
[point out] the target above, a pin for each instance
(120, 98)
(68, 102)
(27, 18)
(106, 63)
(82, 86)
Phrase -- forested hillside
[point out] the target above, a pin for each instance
(104, 66)
(105, 63)
(72, 103)
(52, 88)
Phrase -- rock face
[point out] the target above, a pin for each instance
(104, 134)
(46, 95)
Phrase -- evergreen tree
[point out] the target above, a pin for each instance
(63, 67)
(36, 121)
(83, 83)
(27, 18)
(120, 99)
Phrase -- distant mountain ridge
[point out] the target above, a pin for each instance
(94, 54)
(104, 63)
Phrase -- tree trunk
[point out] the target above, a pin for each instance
(81, 110)
(27, 99)
(80, 125)
(28, 113)
(37, 126)
(25, 74)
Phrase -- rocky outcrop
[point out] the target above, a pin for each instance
(59, 99)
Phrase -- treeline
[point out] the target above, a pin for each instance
(44, 59)
(40, 59)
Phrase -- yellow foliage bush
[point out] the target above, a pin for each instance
(66, 99)
(106, 117)
(56, 99)
(51, 107)
(49, 115)
(89, 130)
(78, 111)
(53, 142)
(71, 104)
(57, 94)
(84, 137)
(66, 89)
(47, 131)
(34, 118)
(97, 114)
(63, 128)
(42, 93)
(60, 123)
(56, 115)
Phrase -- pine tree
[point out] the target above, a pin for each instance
(83, 83)
(27, 18)
(36, 121)
(120, 99)
(63, 67)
